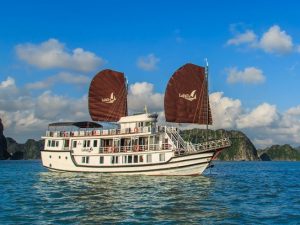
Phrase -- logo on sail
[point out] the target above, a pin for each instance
(109, 100)
(189, 97)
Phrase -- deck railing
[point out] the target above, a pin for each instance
(134, 148)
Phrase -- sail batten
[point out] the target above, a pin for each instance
(186, 98)
(108, 96)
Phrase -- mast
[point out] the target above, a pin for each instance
(207, 102)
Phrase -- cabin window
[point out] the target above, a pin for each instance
(56, 143)
(49, 143)
(130, 159)
(67, 143)
(114, 159)
(85, 159)
(136, 159)
(95, 143)
(101, 161)
(162, 157)
(149, 158)
(53, 143)
(141, 158)
(74, 144)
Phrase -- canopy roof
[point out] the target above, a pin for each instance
(82, 124)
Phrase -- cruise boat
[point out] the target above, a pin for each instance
(136, 144)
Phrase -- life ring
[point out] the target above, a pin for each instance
(136, 130)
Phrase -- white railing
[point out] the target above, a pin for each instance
(98, 132)
(214, 144)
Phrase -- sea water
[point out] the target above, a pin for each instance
(229, 193)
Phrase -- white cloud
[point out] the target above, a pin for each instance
(62, 77)
(53, 54)
(241, 38)
(7, 88)
(294, 111)
(276, 40)
(141, 94)
(9, 82)
(148, 63)
(225, 111)
(262, 115)
(26, 116)
(250, 75)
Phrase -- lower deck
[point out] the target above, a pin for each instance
(153, 163)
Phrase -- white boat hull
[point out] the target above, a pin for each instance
(192, 164)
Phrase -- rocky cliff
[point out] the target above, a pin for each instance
(280, 153)
(3, 144)
(242, 149)
(29, 150)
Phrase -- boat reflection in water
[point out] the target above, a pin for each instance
(85, 198)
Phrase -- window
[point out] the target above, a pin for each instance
(74, 144)
(101, 161)
(86, 143)
(85, 159)
(49, 143)
(114, 159)
(56, 144)
(141, 158)
(130, 159)
(149, 158)
(53, 143)
(162, 157)
(67, 143)
(136, 159)
(95, 143)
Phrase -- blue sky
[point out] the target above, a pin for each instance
(252, 48)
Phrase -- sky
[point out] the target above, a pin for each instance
(50, 51)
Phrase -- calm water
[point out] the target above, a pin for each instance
(232, 193)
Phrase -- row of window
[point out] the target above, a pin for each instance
(52, 143)
(126, 159)
(94, 143)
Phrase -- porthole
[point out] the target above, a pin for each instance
(50, 165)
(50, 156)
(66, 157)
(59, 157)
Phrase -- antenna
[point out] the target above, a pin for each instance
(207, 103)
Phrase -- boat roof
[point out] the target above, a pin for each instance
(82, 124)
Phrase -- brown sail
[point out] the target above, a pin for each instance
(186, 98)
(108, 96)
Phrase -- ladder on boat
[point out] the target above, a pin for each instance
(178, 141)
(188, 147)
